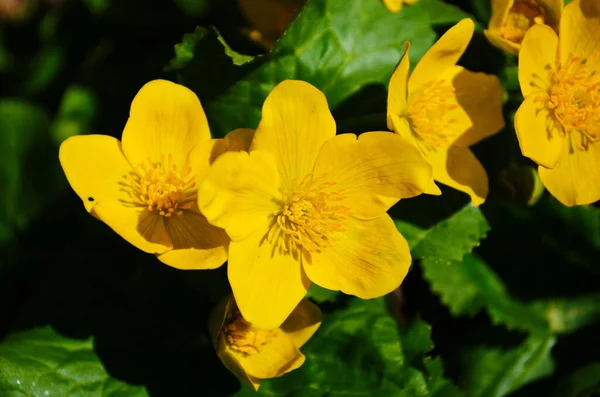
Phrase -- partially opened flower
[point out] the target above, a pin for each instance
(396, 5)
(443, 109)
(558, 124)
(512, 18)
(305, 205)
(144, 187)
(254, 353)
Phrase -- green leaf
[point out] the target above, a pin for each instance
(492, 372)
(75, 114)
(565, 315)
(359, 351)
(340, 46)
(40, 362)
(584, 382)
(320, 294)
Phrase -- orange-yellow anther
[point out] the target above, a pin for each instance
(521, 16)
(429, 113)
(160, 187)
(242, 337)
(311, 214)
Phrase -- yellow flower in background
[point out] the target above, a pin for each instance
(306, 205)
(558, 123)
(512, 18)
(396, 5)
(443, 109)
(253, 353)
(145, 187)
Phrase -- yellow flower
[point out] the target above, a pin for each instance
(253, 353)
(558, 123)
(145, 187)
(396, 5)
(444, 109)
(511, 19)
(305, 204)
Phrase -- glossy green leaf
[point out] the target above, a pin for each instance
(40, 362)
(320, 294)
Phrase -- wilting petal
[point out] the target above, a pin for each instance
(304, 321)
(96, 169)
(580, 29)
(295, 123)
(575, 179)
(196, 243)
(166, 119)
(240, 192)
(540, 137)
(397, 90)
(479, 99)
(368, 260)
(267, 283)
(374, 165)
(537, 59)
(443, 54)
(459, 168)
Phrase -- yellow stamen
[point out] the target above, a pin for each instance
(309, 217)
(574, 98)
(242, 337)
(521, 16)
(429, 113)
(159, 187)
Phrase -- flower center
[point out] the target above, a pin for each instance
(521, 16)
(574, 98)
(242, 337)
(310, 216)
(429, 113)
(160, 187)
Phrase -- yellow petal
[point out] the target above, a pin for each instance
(304, 321)
(397, 90)
(540, 137)
(394, 5)
(206, 152)
(196, 243)
(459, 168)
(537, 58)
(295, 123)
(239, 192)
(500, 42)
(267, 284)
(553, 10)
(580, 29)
(500, 10)
(232, 363)
(166, 119)
(575, 179)
(96, 167)
(479, 99)
(443, 54)
(368, 260)
(374, 165)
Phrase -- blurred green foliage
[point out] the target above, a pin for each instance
(500, 301)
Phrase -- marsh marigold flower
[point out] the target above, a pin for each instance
(558, 123)
(254, 353)
(145, 187)
(396, 5)
(443, 109)
(512, 18)
(305, 205)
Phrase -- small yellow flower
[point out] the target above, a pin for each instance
(145, 187)
(444, 109)
(305, 204)
(253, 353)
(512, 18)
(558, 123)
(396, 5)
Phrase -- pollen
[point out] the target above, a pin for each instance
(521, 16)
(573, 97)
(242, 337)
(430, 114)
(312, 214)
(160, 187)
